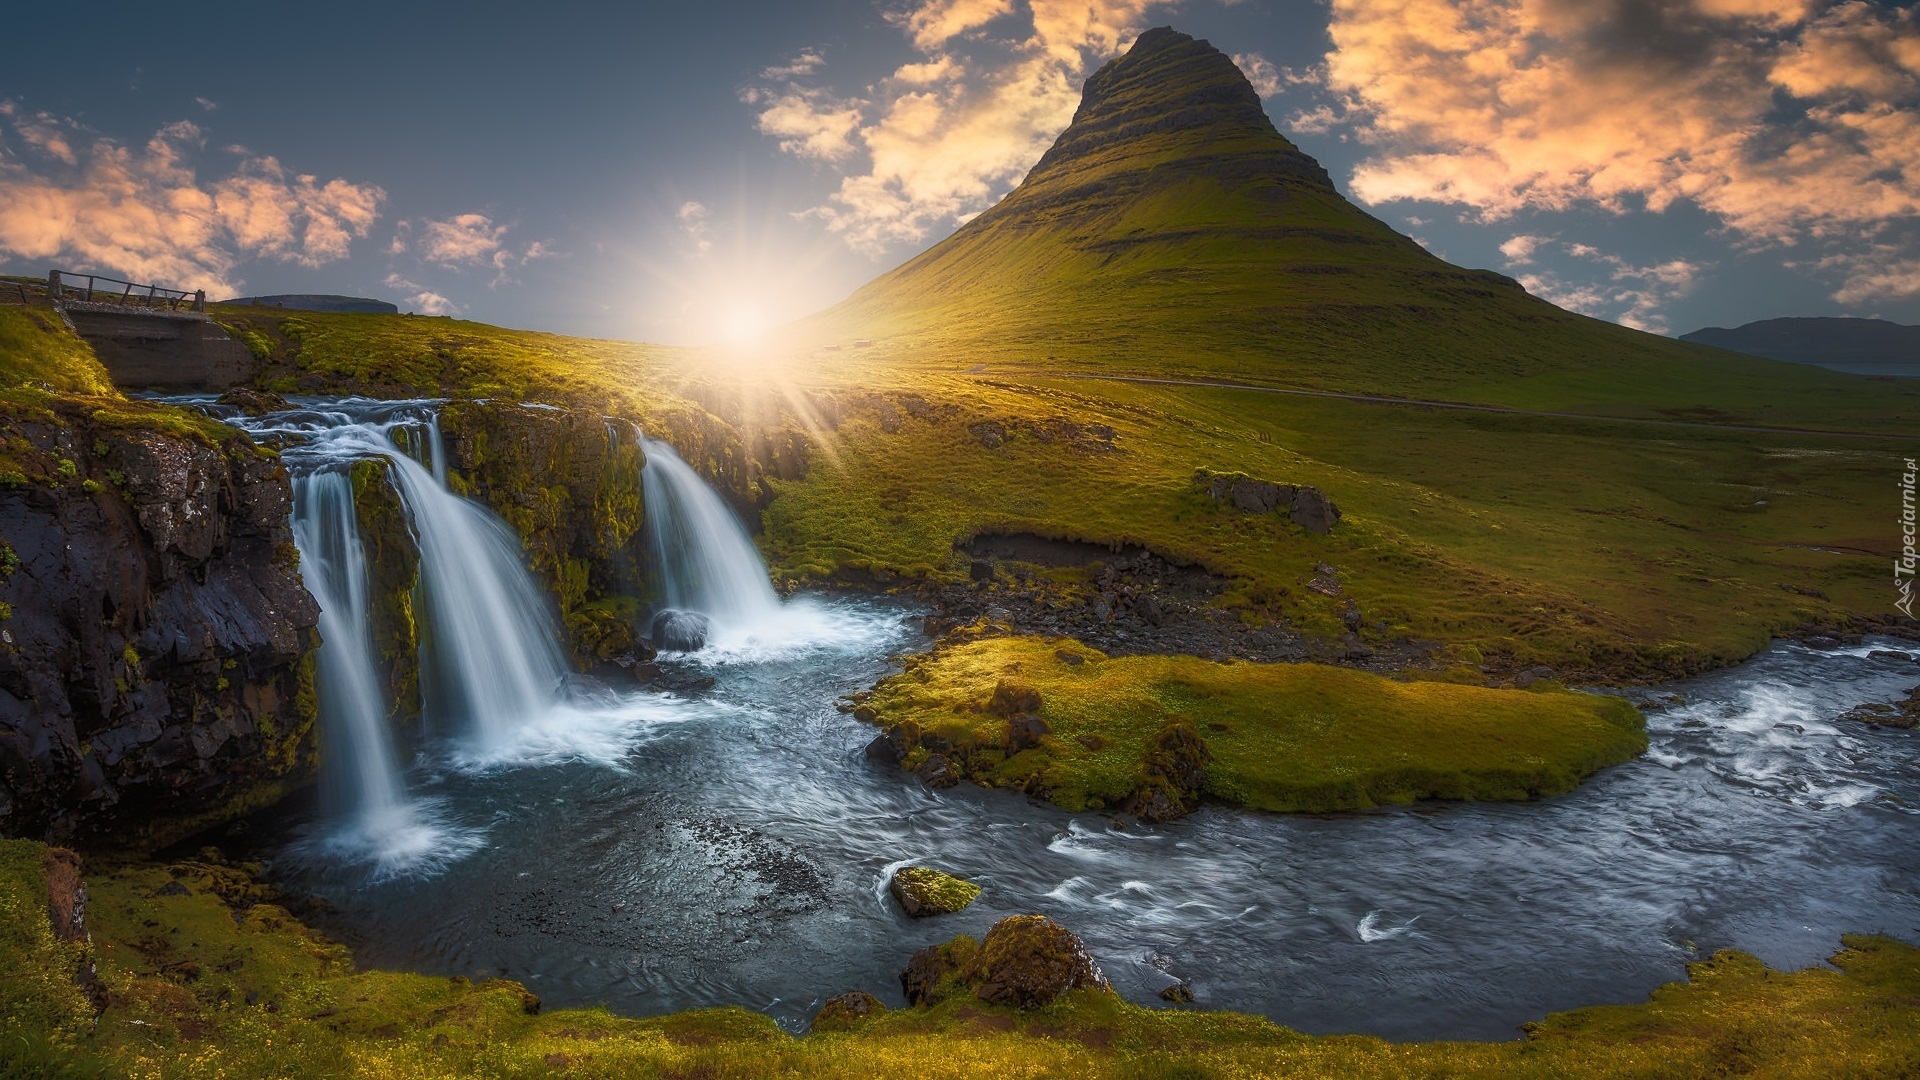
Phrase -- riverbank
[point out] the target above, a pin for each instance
(192, 969)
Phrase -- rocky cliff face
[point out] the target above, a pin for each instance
(569, 483)
(155, 638)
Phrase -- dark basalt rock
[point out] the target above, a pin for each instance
(679, 631)
(1171, 776)
(1029, 960)
(253, 402)
(843, 1011)
(1012, 697)
(932, 973)
(155, 673)
(1304, 505)
(1025, 731)
(938, 772)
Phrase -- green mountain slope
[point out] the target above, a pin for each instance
(1172, 231)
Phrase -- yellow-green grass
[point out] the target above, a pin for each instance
(51, 378)
(1286, 737)
(38, 352)
(1611, 551)
(1605, 550)
(201, 987)
(394, 355)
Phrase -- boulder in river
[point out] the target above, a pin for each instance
(1029, 960)
(679, 631)
(924, 891)
(843, 1011)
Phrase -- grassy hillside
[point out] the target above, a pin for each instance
(1172, 231)
(1602, 549)
(201, 974)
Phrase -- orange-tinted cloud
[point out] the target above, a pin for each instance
(941, 137)
(1793, 121)
(97, 204)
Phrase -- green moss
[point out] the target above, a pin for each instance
(1285, 737)
(923, 890)
(393, 583)
(37, 350)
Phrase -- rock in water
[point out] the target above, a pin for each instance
(844, 1010)
(923, 891)
(1029, 960)
(679, 631)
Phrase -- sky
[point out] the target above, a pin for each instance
(686, 173)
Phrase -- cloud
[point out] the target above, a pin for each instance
(1268, 81)
(461, 240)
(467, 242)
(693, 221)
(145, 211)
(1883, 272)
(1794, 122)
(809, 123)
(939, 138)
(1629, 294)
(206, 104)
(419, 298)
(1519, 250)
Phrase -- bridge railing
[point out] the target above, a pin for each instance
(64, 285)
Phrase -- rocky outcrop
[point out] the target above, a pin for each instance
(1304, 505)
(843, 1011)
(393, 581)
(569, 482)
(1025, 961)
(740, 450)
(155, 638)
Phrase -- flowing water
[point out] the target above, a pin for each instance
(707, 561)
(651, 852)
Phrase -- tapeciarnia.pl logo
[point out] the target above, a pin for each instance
(1903, 567)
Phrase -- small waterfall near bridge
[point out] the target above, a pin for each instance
(707, 561)
(362, 777)
(492, 672)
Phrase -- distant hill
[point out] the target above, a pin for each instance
(1172, 231)
(1859, 345)
(318, 302)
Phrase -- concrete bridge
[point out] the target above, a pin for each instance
(148, 337)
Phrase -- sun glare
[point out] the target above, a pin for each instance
(742, 324)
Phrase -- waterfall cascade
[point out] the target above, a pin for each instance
(363, 776)
(493, 658)
(707, 561)
(491, 662)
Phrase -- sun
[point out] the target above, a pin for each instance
(742, 324)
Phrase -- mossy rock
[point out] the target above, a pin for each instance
(843, 1011)
(924, 891)
(1028, 961)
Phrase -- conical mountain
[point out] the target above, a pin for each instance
(1171, 230)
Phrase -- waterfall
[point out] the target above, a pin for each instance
(708, 562)
(493, 659)
(362, 777)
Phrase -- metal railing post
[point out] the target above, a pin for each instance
(53, 285)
